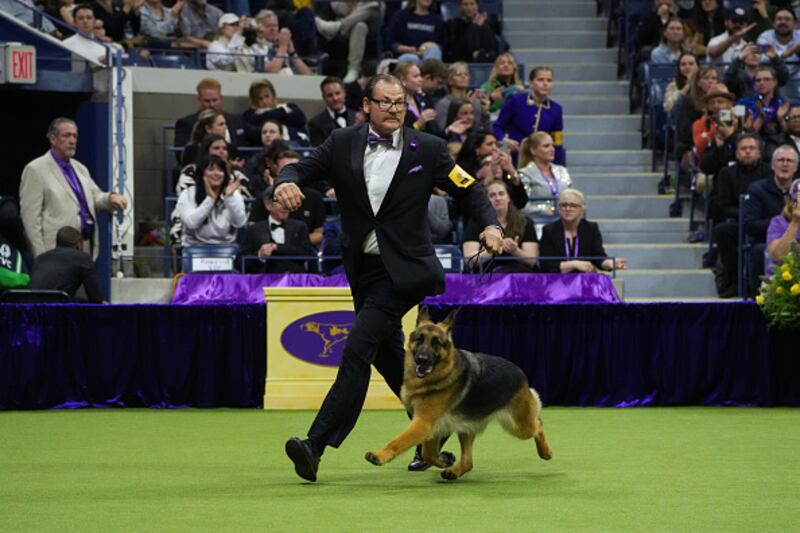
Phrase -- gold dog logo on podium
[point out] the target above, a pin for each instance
(331, 334)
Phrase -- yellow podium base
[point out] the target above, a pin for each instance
(306, 331)
(309, 393)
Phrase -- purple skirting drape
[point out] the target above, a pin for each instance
(214, 355)
(460, 288)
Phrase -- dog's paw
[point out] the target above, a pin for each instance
(374, 459)
(447, 458)
(449, 475)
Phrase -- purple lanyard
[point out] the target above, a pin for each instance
(554, 188)
(566, 246)
(419, 105)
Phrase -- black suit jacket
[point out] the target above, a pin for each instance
(295, 243)
(590, 244)
(322, 125)
(184, 125)
(401, 224)
(66, 269)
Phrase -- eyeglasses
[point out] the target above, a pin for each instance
(386, 105)
(793, 117)
(570, 206)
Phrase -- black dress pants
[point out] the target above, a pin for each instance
(376, 338)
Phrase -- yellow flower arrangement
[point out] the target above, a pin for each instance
(779, 296)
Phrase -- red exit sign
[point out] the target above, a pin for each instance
(19, 63)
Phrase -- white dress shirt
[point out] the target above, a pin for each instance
(341, 121)
(380, 164)
(278, 234)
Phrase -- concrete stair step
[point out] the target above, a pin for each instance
(596, 140)
(665, 284)
(550, 9)
(602, 88)
(604, 184)
(677, 226)
(649, 237)
(634, 206)
(555, 39)
(585, 70)
(591, 105)
(602, 158)
(563, 56)
(600, 123)
(658, 256)
(536, 24)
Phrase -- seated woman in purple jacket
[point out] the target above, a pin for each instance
(526, 113)
(784, 229)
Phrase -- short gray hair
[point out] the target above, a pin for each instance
(574, 192)
(265, 13)
(784, 148)
(55, 125)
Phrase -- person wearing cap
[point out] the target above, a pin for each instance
(784, 38)
(741, 74)
(766, 105)
(705, 127)
(720, 150)
(725, 47)
(784, 229)
(222, 51)
(731, 182)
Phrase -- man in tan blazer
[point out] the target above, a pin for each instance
(57, 191)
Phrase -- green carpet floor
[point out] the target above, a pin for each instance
(678, 469)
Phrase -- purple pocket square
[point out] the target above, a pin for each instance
(416, 169)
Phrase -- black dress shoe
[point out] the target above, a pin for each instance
(306, 461)
(418, 464)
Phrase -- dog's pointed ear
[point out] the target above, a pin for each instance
(449, 320)
(423, 315)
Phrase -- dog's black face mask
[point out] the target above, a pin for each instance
(429, 345)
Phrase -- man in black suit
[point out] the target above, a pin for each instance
(383, 175)
(277, 236)
(66, 267)
(209, 96)
(335, 115)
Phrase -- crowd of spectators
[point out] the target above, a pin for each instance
(737, 131)
(229, 157)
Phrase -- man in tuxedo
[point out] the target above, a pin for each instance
(335, 115)
(277, 236)
(383, 175)
(209, 96)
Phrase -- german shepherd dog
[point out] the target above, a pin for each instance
(448, 390)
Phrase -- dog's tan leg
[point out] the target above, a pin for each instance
(542, 448)
(432, 454)
(465, 464)
(524, 410)
(419, 430)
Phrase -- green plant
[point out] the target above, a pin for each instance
(779, 297)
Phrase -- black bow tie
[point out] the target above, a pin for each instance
(343, 115)
(273, 226)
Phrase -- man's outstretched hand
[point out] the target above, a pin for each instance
(492, 238)
(289, 196)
